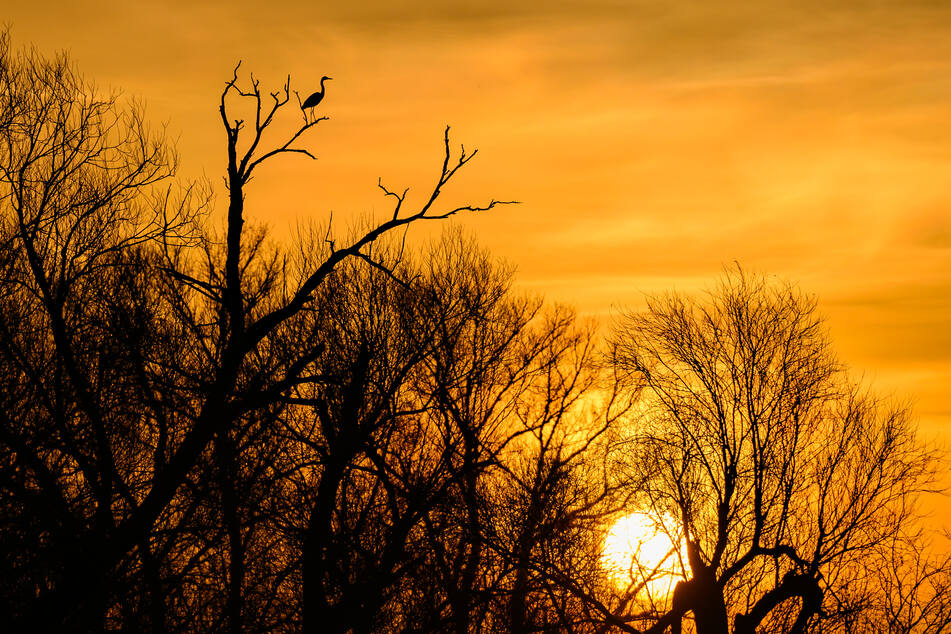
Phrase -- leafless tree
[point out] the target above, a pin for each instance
(135, 339)
(902, 586)
(85, 188)
(777, 469)
(525, 412)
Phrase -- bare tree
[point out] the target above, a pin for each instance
(556, 489)
(777, 470)
(85, 189)
(902, 586)
(136, 343)
(523, 411)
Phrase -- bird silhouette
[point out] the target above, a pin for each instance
(312, 101)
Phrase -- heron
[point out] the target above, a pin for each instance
(312, 101)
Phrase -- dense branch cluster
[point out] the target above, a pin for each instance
(206, 431)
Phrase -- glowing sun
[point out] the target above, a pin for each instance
(640, 548)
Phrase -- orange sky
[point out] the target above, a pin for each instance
(652, 142)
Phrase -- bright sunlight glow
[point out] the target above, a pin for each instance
(640, 549)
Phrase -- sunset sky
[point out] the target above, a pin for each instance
(651, 143)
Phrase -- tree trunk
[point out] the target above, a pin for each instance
(317, 615)
(227, 475)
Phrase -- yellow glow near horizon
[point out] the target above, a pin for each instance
(639, 548)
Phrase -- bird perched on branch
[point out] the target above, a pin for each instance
(311, 102)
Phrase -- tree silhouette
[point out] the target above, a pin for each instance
(776, 468)
(84, 194)
(110, 426)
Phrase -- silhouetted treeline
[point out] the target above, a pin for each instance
(205, 430)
